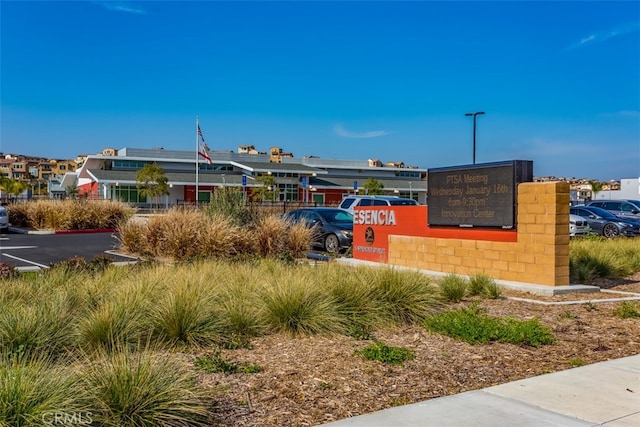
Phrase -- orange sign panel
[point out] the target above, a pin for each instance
(372, 227)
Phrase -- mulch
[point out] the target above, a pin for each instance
(313, 380)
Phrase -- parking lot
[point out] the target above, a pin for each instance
(39, 251)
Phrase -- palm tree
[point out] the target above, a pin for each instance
(13, 187)
(596, 187)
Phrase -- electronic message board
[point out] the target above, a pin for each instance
(482, 195)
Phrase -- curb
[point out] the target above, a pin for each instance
(46, 232)
(90, 230)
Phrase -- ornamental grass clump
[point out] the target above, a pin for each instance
(354, 297)
(70, 214)
(483, 285)
(453, 288)
(187, 234)
(609, 258)
(33, 389)
(186, 314)
(41, 327)
(270, 233)
(241, 318)
(403, 297)
(142, 388)
(122, 317)
(296, 304)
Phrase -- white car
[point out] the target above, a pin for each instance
(4, 218)
(350, 202)
(578, 226)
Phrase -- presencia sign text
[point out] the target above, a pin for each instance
(481, 195)
(375, 217)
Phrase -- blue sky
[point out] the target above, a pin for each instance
(559, 81)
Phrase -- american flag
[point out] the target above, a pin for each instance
(203, 147)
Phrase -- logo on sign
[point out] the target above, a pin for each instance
(369, 236)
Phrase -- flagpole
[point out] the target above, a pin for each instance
(197, 165)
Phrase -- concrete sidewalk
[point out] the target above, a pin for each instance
(602, 394)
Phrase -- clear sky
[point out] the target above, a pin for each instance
(559, 81)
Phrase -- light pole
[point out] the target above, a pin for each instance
(474, 115)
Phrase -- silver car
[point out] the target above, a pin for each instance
(605, 223)
(624, 208)
(578, 226)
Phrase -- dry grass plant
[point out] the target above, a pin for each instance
(69, 214)
(271, 235)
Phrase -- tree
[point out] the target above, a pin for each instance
(267, 190)
(72, 190)
(152, 182)
(373, 187)
(13, 187)
(596, 187)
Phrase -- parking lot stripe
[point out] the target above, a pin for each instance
(25, 260)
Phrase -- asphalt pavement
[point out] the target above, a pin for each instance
(37, 250)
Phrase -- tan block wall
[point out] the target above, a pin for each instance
(540, 255)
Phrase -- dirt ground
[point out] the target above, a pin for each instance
(313, 380)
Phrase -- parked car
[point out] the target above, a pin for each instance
(4, 218)
(334, 226)
(578, 226)
(605, 223)
(624, 208)
(349, 203)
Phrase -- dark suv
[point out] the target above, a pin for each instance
(623, 208)
(334, 227)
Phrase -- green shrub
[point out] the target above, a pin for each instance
(453, 288)
(474, 326)
(575, 363)
(231, 202)
(214, 362)
(8, 271)
(628, 310)
(381, 352)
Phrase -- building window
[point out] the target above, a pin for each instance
(408, 174)
(127, 164)
(288, 192)
(127, 193)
